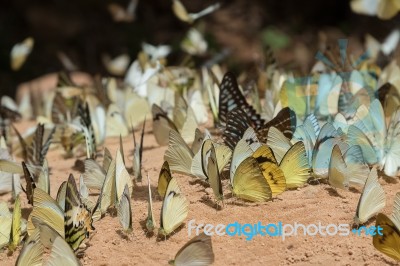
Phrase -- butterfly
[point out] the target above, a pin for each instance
(181, 13)
(178, 154)
(279, 144)
(213, 174)
(230, 98)
(8, 113)
(122, 176)
(137, 154)
(108, 194)
(162, 125)
(77, 217)
(346, 169)
(174, 210)
(43, 237)
(117, 65)
(115, 122)
(372, 199)
(201, 147)
(20, 52)
(238, 122)
(136, 108)
(249, 183)
(11, 225)
(47, 211)
(150, 223)
(124, 210)
(246, 146)
(197, 251)
(36, 151)
(270, 169)
(36, 176)
(94, 174)
(87, 126)
(376, 139)
(120, 14)
(382, 9)
(86, 200)
(327, 138)
(389, 242)
(163, 179)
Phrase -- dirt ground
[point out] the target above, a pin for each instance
(311, 204)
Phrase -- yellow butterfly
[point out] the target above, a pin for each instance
(16, 225)
(163, 179)
(295, 166)
(249, 183)
(389, 242)
(270, 169)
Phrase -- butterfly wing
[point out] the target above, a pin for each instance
(337, 170)
(78, 219)
(372, 199)
(197, 251)
(230, 98)
(163, 179)
(285, 121)
(213, 175)
(46, 210)
(389, 242)
(295, 166)
(178, 154)
(174, 210)
(124, 210)
(270, 169)
(249, 182)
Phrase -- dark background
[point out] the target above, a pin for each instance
(84, 30)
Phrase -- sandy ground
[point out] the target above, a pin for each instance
(311, 204)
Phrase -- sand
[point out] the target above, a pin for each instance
(308, 205)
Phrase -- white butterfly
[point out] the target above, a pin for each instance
(378, 141)
(372, 199)
(20, 52)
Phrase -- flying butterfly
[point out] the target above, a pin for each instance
(180, 11)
